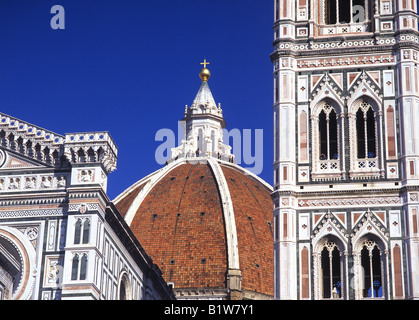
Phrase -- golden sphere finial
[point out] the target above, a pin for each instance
(205, 74)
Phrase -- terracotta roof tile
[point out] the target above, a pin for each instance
(180, 224)
(252, 206)
(125, 202)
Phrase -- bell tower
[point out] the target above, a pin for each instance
(346, 149)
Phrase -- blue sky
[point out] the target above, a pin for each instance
(130, 66)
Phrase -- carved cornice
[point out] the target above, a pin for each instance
(47, 148)
(91, 148)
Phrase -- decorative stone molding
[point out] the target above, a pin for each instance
(345, 202)
(201, 293)
(32, 182)
(369, 224)
(46, 147)
(346, 61)
(32, 213)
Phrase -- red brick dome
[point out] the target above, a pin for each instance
(207, 225)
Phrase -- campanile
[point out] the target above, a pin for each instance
(346, 149)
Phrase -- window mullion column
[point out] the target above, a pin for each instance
(366, 14)
(331, 272)
(337, 12)
(371, 274)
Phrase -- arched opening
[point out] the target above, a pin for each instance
(331, 271)
(75, 267)
(86, 231)
(371, 271)
(77, 231)
(326, 141)
(82, 231)
(10, 269)
(83, 267)
(79, 267)
(366, 132)
(124, 291)
(371, 267)
(366, 139)
(328, 134)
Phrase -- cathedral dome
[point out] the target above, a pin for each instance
(204, 220)
(208, 225)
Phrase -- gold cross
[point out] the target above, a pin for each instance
(205, 63)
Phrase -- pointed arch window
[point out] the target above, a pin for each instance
(366, 132)
(366, 139)
(83, 267)
(371, 278)
(79, 267)
(327, 128)
(331, 271)
(328, 134)
(77, 231)
(75, 267)
(86, 231)
(82, 231)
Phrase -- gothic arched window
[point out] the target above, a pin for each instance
(366, 132)
(326, 140)
(331, 271)
(79, 267)
(83, 267)
(82, 231)
(125, 289)
(75, 267)
(372, 282)
(366, 139)
(77, 231)
(86, 231)
(328, 134)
